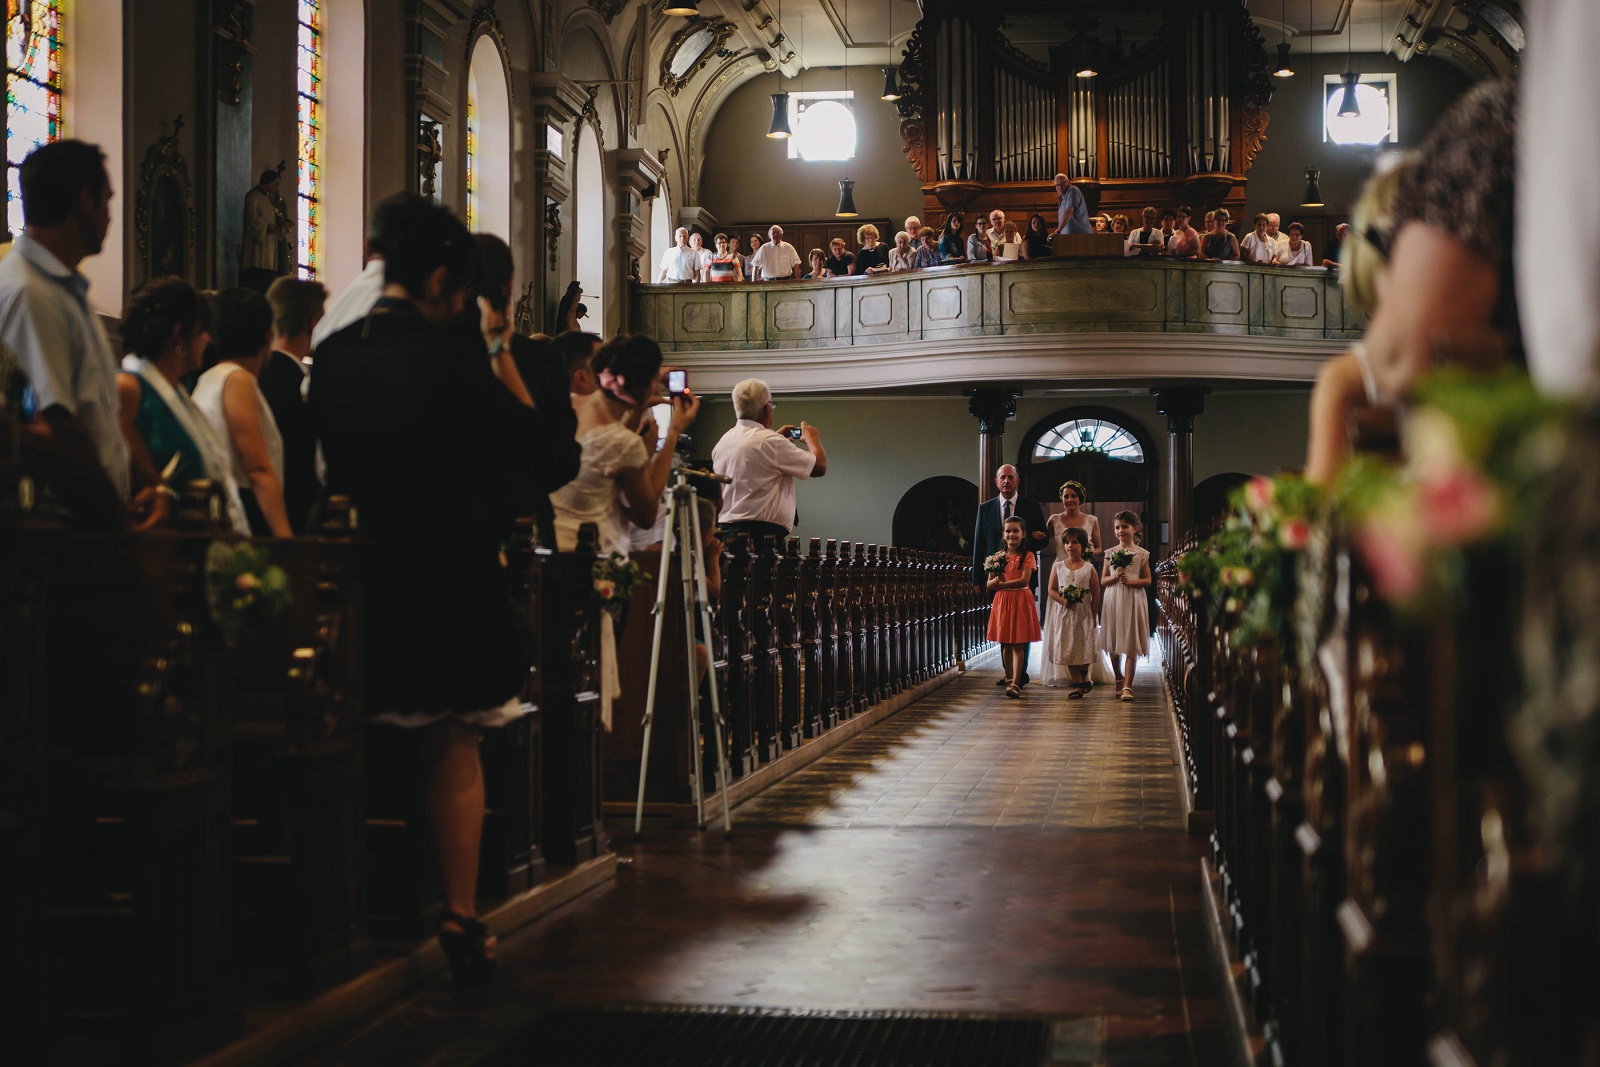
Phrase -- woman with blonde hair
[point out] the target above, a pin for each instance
(873, 258)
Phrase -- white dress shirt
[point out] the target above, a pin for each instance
(1255, 249)
(775, 260)
(763, 465)
(45, 319)
(680, 264)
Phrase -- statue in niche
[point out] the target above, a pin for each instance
(265, 226)
(430, 153)
(163, 222)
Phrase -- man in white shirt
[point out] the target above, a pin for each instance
(763, 464)
(1259, 246)
(1280, 240)
(776, 260)
(45, 317)
(680, 263)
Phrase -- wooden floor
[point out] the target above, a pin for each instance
(971, 854)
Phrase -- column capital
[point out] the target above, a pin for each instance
(992, 407)
(1180, 406)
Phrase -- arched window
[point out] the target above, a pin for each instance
(308, 92)
(488, 141)
(589, 225)
(1088, 434)
(661, 228)
(33, 89)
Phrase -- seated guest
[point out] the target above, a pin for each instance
(1036, 242)
(927, 250)
(1119, 224)
(913, 227)
(724, 265)
(1297, 253)
(416, 428)
(1335, 246)
(818, 266)
(1260, 246)
(840, 263)
(997, 227)
(900, 254)
(230, 398)
(680, 262)
(776, 260)
(748, 262)
(1185, 241)
(1206, 226)
(1169, 219)
(167, 330)
(1280, 239)
(296, 309)
(1099, 223)
(1219, 244)
(1146, 241)
(978, 247)
(873, 257)
(1007, 243)
(952, 247)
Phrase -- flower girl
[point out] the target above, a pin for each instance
(1013, 616)
(1070, 638)
(1125, 624)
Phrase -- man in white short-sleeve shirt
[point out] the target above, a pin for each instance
(680, 263)
(776, 260)
(45, 317)
(763, 464)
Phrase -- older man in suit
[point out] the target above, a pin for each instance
(992, 514)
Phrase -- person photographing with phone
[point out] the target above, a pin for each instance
(763, 464)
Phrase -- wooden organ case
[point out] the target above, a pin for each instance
(1174, 113)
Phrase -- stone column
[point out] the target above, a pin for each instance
(554, 100)
(1180, 406)
(991, 407)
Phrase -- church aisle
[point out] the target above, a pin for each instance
(973, 854)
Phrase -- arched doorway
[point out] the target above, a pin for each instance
(589, 235)
(660, 232)
(1106, 450)
(1211, 498)
(937, 515)
(488, 141)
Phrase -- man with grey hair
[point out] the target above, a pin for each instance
(1072, 210)
(680, 263)
(763, 464)
(776, 260)
(1280, 240)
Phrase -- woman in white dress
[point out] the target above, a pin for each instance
(619, 481)
(1073, 498)
(1071, 643)
(231, 400)
(1125, 621)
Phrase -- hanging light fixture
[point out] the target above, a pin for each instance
(780, 100)
(891, 87)
(685, 8)
(1285, 70)
(1313, 194)
(847, 188)
(1348, 107)
(1086, 67)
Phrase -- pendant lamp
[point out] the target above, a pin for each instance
(1284, 69)
(891, 87)
(682, 7)
(1348, 107)
(847, 199)
(779, 129)
(1313, 194)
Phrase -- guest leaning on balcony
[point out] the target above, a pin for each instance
(1147, 240)
(900, 254)
(1260, 246)
(839, 262)
(1036, 243)
(1297, 253)
(952, 249)
(776, 260)
(873, 257)
(1007, 243)
(748, 262)
(725, 264)
(927, 251)
(978, 250)
(817, 268)
(1219, 244)
(680, 263)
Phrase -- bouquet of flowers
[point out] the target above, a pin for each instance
(1073, 595)
(1121, 558)
(995, 564)
(615, 578)
(241, 584)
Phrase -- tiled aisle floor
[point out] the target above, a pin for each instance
(970, 854)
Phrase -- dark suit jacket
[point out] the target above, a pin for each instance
(986, 538)
(280, 382)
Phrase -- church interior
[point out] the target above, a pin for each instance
(1305, 772)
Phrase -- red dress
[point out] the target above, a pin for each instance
(1014, 615)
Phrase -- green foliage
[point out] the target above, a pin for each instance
(242, 586)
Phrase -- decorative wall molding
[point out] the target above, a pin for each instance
(702, 106)
(608, 9)
(691, 48)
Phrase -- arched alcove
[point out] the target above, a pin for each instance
(589, 237)
(1211, 498)
(489, 140)
(660, 230)
(937, 515)
(342, 180)
(1105, 449)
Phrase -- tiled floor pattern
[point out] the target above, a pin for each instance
(967, 756)
(971, 854)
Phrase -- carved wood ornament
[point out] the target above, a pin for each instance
(235, 24)
(704, 38)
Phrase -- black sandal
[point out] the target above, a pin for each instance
(469, 950)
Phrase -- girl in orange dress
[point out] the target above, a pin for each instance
(1013, 616)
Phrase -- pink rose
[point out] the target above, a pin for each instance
(1395, 564)
(1294, 534)
(1258, 493)
(606, 588)
(246, 582)
(1456, 505)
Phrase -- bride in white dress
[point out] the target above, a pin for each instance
(619, 481)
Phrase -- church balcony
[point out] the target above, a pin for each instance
(1082, 320)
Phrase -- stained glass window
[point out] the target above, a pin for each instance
(308, 87)
(1089, 435)
(472, 147)
(33, 89)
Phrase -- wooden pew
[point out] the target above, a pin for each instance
(574, 828)
(766, 648)
(738, 640)
(787, 599)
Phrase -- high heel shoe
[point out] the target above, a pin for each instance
(470, 950)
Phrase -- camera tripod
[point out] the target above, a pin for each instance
(683, 535)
